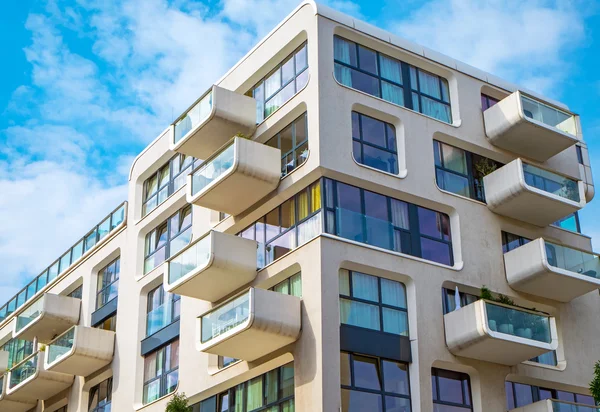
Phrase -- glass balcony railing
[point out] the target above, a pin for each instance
(61, 345)
(195, 256)
(213, 169)
(196, 115)
(558, 406)
(104, 407)
(548, 115)
(23, 371)
(518, 322)
(100, 231)
(29, 315)
(551, 182)
(225, 317)
(573, 260)
(160, 317)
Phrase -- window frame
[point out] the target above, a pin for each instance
(296, 146)
(164, 297)
(162, 377)
(100, 292)
(362, 142)
(438, 401)
(107, 401)
(535, 394)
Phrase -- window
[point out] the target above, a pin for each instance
(461, 172)
(451, 391)
(109, 323)
(511, 241)
(108, 283)
(570, 222)
(167, 180)
(374, 303)
(101, 396)
(290, 286)
(487, 101)
(287, 226)
(168, 238)
(392, 80)
(281, 84)
(161, 372)
(293, 143)
(162, 310)
(77, 293)
(270, 392)
(63, 409)
(373, 384)
(367, 217)
(579, 154)
(374, 143)
(18, 349)
(520, 394)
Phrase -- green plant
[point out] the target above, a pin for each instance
(242, 135)
(484, 167)
(42, 348)
(505, 300)
(595, 383)
(486, 294)
(178, 403)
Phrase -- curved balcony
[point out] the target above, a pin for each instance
(531, 194)
(552, 271)
(47, 317)
(12, 403)
(80, 351)
(530, 128)
(250, 325)
(208, 270)
(211, 121)
(30, 381)
(235, 178)
(553, 405)
(493, 332)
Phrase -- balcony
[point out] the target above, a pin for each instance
(553, 405)
(47, 317)
(493, 332)
(250, 325)
(533, 195)
(208, 270)
(552, 271)
(12, 404)
(236, 177)
(211, 122)
(80, 351)
(30, 381)
(529, 128)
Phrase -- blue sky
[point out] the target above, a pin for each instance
(86, 84)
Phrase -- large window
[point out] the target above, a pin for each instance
(270, 392)
(293, 143)
(290, 286)
(520, 394)
(108, 283)
(18, 349)
(161, 372)
(451, 391)
(162, 310)
(101, 396)
(392, 80)
(374, 143)
(374, 303)
(511, 241)
(167, 180)
(287, 226)
(168, 238)
(373, 384)
(367, 217)
(281, 84)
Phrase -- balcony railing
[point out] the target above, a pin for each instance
(549, 115)
(552, 183)
(108, 225)
(23, 371)
(160, 317)
(61, 345)
(213, 170)
(517, 322)
(194, 117)
(226, 317)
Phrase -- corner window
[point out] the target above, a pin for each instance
(163, 309)
(108, 283)
(374, 143)
(101, 396)
(392, 80)
(168, 238)
(161, 372)
(374, 303)
(281, 84)
(451, 391)
(373, 384)
(293, 143)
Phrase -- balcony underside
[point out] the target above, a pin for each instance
(56, 314)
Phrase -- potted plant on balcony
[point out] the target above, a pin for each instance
(595, 383)
(178, 403)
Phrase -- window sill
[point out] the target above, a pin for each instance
(561, 366)
(140, 407)
(460, 196)
(401, 174)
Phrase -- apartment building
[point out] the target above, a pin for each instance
(346, 221)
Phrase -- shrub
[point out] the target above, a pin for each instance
(178, 403)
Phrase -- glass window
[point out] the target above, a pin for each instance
(374, 143)
(18, 349)
(290, 286)
(108, 283)
(293, 143)
(374, 303)
(109, 323)
(487, 101)
(511, 241)
(101, 397)
(570, 222)
(382, 76)
(373, 384)
(451, 391)
(77, 293)
(161, 372)
(163, 308)
(519, 395)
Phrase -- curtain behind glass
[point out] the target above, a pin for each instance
(296, 285)
(365, 287)
(392, 293)
(390, 69)
(254, 394)
(341, 50)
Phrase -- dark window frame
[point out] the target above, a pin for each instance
(163, 390)
(18, 350)
(101, 296)
(464, 377)
(102, 403)
(164, 297)
(487, 101)
(296, 146)
(362, 142)
(535, 394)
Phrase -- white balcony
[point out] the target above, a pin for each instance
(493, 332)
(12, 403)
(30, 381)
(80, 351)
(531, 194)
(208, 270)
(553, 405)
(530, 128)
(211, 122)
(47, 317)
(235, 178)
(552, 271)
(250, 325)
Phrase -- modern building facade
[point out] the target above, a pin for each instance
(346, 221)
